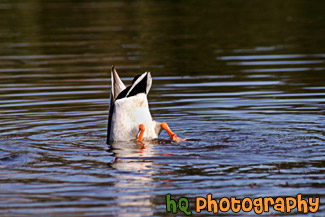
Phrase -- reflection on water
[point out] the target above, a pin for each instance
(247, 87)
(135, 177)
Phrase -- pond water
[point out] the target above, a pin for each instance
(245, 80)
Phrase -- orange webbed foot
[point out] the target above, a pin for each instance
(171, 134)
(141, 129)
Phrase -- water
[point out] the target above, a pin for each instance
(244, 79)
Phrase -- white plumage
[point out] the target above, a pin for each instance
(128, 114)
(129, 108)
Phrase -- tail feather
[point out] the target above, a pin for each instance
(117, 84)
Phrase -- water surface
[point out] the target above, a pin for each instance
(244, 79)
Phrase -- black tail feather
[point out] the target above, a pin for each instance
(138, 88)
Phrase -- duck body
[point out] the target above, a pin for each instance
(128, 114)
(129, 108)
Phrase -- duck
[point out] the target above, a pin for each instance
(129, 117)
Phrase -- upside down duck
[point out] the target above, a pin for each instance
(129, 116)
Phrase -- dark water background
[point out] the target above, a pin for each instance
(246, 78)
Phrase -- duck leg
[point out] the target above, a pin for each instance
(141, 129)
(171, 134)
